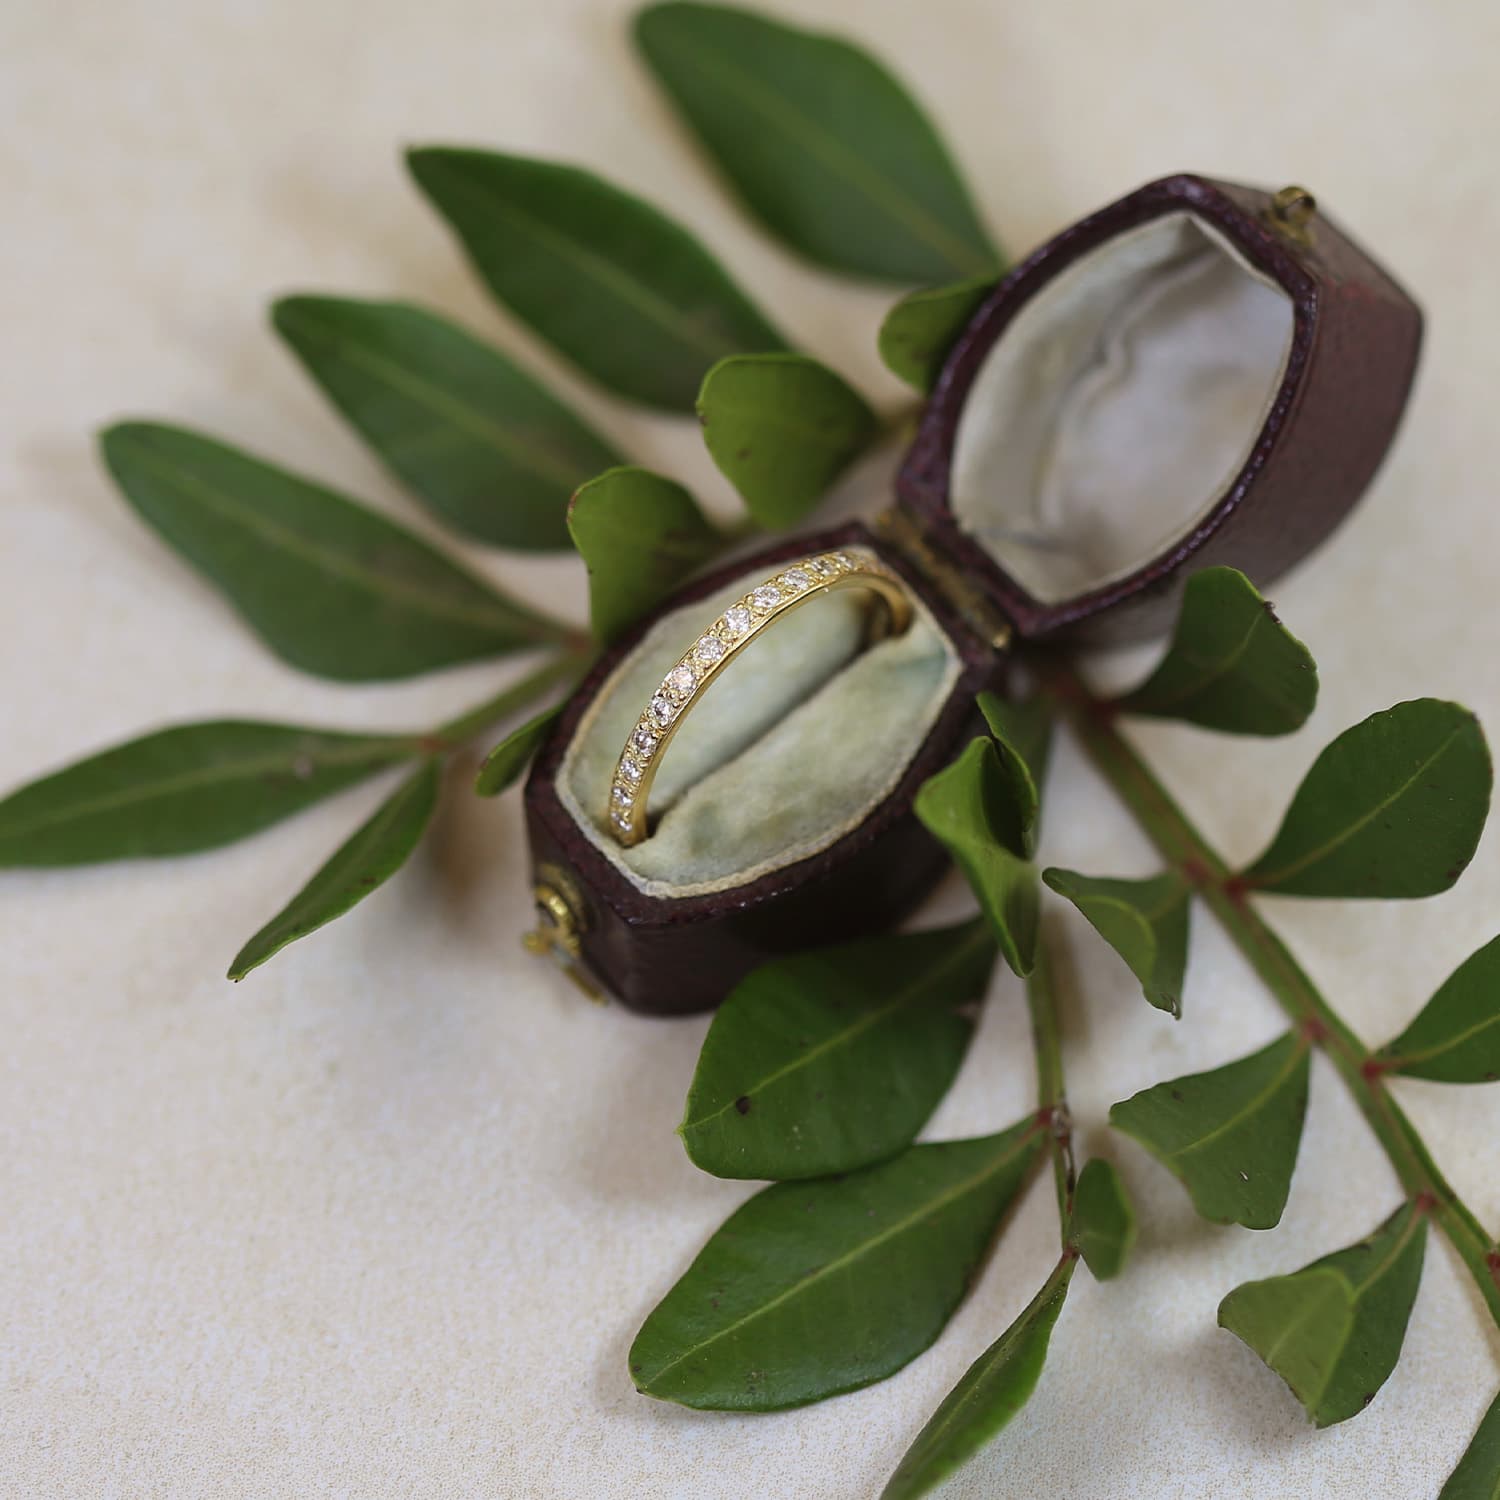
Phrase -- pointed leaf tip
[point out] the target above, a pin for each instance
(331, 587)
(993, 1390)
(571, 255)
(1144, 921)
(1231, 1135)
(1232, 665)
(505, 764)
(967, 807)
(484, 446)
(820, 142)
(359, 867)
(815, 1288)
(1393, 808)
(1456, 1037)
(1333, 1330)
(835, 1059)
(1022, 731)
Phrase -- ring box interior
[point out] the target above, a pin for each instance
(1200, 373)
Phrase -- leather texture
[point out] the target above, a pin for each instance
(1355, 342)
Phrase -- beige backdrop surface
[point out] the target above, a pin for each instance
(382, 1220)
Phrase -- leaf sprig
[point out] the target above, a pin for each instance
(822, 1070)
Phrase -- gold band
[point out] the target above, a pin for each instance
(720, 644)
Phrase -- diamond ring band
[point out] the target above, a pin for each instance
(723, 640)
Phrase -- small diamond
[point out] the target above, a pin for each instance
(710, 650)
(624, 796)
(844, 561)
(663, 710)
(767, 596)
(630, 770)
(682, 679)
(737, 620)
(824, 567)
(622, 821)
(643, 739)
(795, 580)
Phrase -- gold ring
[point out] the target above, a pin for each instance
(796, 585)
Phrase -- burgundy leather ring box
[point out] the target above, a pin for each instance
(1200, 373)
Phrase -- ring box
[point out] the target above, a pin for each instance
(1200, 373)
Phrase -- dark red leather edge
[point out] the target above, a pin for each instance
(685, 954)
(1355, 343)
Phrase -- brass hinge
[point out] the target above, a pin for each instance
(901, 532)
(557, 933)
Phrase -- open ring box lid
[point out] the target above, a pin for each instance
(1198, 374)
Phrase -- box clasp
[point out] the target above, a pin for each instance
(556, 934)
(1291, 213)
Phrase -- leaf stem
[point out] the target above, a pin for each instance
(1227, 896)
(1052, 1099)
(560, 668)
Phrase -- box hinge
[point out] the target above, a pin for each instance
(898, 529)
(558, 930)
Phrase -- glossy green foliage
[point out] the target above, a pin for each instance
(1104, 1224)
(1333, 1330)
(192, 787)
(819, 141)
(1392, 808)
(1456, 1037)
(627, 294)
(1232, 664)
(1477, 1476)
(813, 1288)
(782, 428)
(1022, 731)
(331, 587)
(363, 863)
(921, 328)
(504, 764)
(487, 448)
(1230, 1134)
(969, 807)
(995, 1387)
(1144, 921)
(640, 535)
(834, 1059)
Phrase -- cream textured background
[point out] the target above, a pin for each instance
(382, 1220)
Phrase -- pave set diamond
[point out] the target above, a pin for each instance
(695, 669)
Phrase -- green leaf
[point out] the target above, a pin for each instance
(1144, 921)
(1456, 1037)
(782, 428)
(486, 447)
(813, 1288)
(1393, 808)
(1231, 1134)
(640, 536)
(994, 1388)
(628, 295)
(179, 790)
(922, 327)
(331, 587)
(505, 763)
(966, 806)
(834, 1059)
(1103, 1220)
(1023, 740)
(1232, 664)
(820, 141)
(362, 864)
(1477, 1476)
(1333, 1330)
